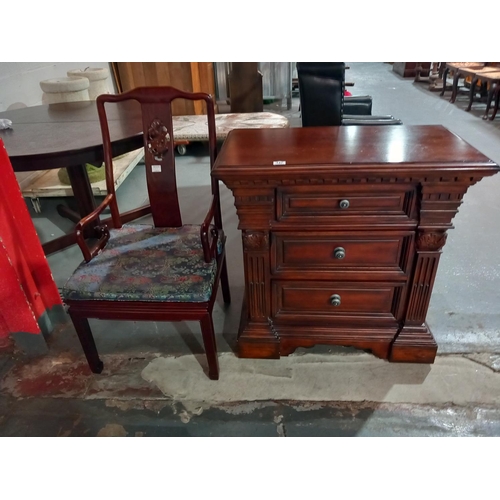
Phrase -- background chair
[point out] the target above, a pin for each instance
(484, 81)
(162, 272)
(322, 101)
(493, 96)
(458, 70)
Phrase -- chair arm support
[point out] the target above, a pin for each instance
(90, 253)
(209, 250)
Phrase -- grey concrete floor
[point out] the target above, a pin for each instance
(154, 382)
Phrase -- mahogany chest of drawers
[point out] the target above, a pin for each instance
(342, 231)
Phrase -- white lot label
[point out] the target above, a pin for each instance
(279, 162)
(155, 168)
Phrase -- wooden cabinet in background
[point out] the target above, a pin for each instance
(409, 69)
(187, 76)
(245, 88)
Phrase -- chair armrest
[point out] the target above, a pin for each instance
(90, 253)
(209, 248)
(357, 108)
(370, 120)
(365, 99)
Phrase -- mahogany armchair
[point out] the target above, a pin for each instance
(161, 272)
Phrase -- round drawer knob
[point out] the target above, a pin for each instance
(339, 253)
(335, 300)
(344, 204)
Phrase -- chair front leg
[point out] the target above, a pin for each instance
(84, 333)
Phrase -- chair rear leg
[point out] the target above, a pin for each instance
(208, 333)
(224, 282)
(84, 333)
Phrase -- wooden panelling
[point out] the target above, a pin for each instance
(187, 76)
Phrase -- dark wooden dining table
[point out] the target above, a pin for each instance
(69, 135)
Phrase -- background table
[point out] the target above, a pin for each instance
(69, 135)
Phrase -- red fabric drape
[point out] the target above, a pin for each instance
(27, 288)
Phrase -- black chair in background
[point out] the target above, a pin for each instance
(322, 101)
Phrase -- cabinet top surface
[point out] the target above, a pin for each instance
(346, 146)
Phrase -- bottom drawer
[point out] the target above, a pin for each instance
(299, 301)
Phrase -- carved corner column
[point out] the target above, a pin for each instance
(255, 208)
(439, 203)
(415, 342)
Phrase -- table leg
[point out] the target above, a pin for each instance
(82, 190)
(84, 197)
(67, 213)
(60, 243)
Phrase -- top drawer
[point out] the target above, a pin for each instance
(345, 203)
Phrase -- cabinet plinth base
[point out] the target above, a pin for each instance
(379, 347)
(414, 344)
(271, 342)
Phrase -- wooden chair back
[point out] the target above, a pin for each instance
(159, 150)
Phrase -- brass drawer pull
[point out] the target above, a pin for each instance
(339, 253)
(344, 204)
(335, 300)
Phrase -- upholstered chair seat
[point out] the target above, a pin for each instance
(144, 263)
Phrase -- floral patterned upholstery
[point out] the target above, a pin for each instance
(144, 263)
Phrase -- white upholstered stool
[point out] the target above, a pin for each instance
(64, 89)
(98, 79)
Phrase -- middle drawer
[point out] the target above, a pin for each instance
(351, 252)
